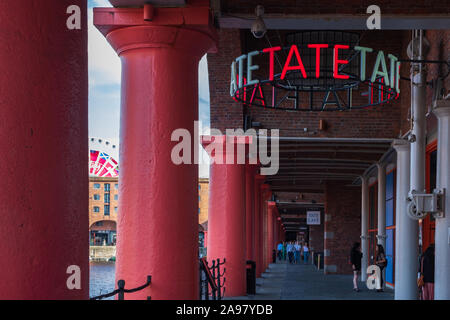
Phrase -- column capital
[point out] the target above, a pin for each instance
(271, 204)
(217, 147)
(441, 108)
(364, 179)
(381, 165)
(401, 145)
(189, 29)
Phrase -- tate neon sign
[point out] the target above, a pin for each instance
(385, 71)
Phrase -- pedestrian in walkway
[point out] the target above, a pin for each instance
(381, 262)
(427, 272)
(297, 248)
(355, 260)
(290, 251)
(305, 253)
(280, 251)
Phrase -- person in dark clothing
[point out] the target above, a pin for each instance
(355, 260)
(381, 262)
(427, 270)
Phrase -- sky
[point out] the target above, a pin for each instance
(104, 87)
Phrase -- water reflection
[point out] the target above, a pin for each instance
(101, 278)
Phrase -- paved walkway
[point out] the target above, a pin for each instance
(283, 281)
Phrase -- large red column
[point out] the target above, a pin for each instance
(259, 180)
(249, 210)
(226, 218)
(44, 149)
(158, 225)
(266, 194)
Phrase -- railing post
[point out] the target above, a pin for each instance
(219, 285)
(213, 268)
(251, 277)
(121, 286)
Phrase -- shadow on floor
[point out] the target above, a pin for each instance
(284, 281)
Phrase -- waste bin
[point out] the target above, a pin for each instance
(251, 277)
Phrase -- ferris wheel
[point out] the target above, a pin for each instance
(102, 158)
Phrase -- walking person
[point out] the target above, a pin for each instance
(355, 260)
(297, 248)
(280, 251)
(305, 253)
(427, 273)
(290, 251)
(381, 262)
(284, 251)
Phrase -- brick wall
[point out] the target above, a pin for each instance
(203, 193)
(316, 234)
(225, 113)
(342, 225)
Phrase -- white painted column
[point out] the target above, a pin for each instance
(417, 160)
(364, 227)
(406, 240)
(442, 235)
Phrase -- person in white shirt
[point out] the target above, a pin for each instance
(305, 252)
(297, 248)
(290, 251)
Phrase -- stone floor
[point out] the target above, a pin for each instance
(283, 281)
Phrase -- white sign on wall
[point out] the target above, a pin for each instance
(313, 217)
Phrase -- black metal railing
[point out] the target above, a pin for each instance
(120, 291)
(212, 279)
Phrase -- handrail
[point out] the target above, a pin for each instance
(214, 279)
(120, 291)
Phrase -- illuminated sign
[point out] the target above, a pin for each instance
(327, 71)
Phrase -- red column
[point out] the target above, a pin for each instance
(226, 219)
(158, 226)
(259, 179)
(44, 149)
(249, 210)
(266, 194)
(271, 205)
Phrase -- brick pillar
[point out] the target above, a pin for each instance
(342, 226)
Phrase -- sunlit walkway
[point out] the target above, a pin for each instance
(283, 281)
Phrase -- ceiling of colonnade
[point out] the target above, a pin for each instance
(307, 164)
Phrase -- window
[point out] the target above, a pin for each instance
(116, 197)
(106, 210)
(106, 197)
(96, 209)
(116, 186)
(96, 197)
(115, 209)
(199, 199)
(99, 223)
(96, 185)
(107, 187)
